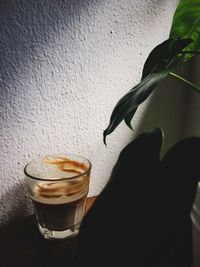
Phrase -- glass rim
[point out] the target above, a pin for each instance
(58, 179)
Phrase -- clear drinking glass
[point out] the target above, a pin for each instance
(58, 186)
(195, 214)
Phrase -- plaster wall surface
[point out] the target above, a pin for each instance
(64, 65)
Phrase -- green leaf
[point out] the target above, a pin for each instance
(129, 103)
(177, 45)
(183, 43)
(163, 57)
(128, 119)
(160, 62)
(186, 22)
(160, 57)
(157, 54)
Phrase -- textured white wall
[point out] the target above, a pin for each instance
(64, 64)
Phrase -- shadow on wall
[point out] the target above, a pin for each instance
(164, 110)
(26, 28)
(167, 109)
(14, 207)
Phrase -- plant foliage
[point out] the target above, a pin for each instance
(186, 22)
(183, 43)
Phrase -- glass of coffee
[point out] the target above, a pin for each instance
(58, 186)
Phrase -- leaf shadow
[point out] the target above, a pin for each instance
(14, 207)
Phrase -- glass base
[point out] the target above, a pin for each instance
(55, 235)
(195, 215)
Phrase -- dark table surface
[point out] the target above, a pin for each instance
(22, 245)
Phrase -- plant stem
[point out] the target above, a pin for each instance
(194, 27)
(190, 52)
(195, 87)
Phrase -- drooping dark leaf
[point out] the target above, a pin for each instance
(160, 57)
(178, 45)
(163, 57)
(128, 104)
(154, 58)
(172, 53)
(186, 23)
(128, 118)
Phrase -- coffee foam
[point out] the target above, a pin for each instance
(69, 167)
(60, 192)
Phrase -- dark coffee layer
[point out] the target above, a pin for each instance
(59, 217)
